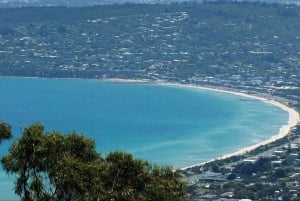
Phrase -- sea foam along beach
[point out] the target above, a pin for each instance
(294, 119)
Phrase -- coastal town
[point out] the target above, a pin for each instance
(174, 43)
(270, 172)
(249, 48)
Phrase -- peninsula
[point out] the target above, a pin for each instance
(253, 48)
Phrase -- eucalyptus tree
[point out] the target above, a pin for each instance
(126, 177)
(24, 161)
(73, 166)
(165, 184)
(52, 166)
(135, 179)
(56, 167)
(5, 131)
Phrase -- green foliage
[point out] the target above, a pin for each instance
(134, 179)
(5, 131)
(53, 166)
(174, 41)
(24, 161)
(126, 177)
(232, 176)
(279, 173)
(247, 168)
(166, 185)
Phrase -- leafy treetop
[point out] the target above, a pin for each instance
(54, 166)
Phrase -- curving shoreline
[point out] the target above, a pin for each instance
(294, 119)
(294, 116)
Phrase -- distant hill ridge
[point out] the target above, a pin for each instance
(80, 3)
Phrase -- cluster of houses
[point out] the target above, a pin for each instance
(175, 45)
(284, 161)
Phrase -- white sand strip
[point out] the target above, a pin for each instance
(294, 117)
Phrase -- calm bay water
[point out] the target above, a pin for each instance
(166, 125)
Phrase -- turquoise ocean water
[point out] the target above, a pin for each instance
(164, 124)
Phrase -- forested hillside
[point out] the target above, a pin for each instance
(222, 43)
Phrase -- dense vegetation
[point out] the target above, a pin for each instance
(5, 131)
(246, 46)
(270, 172)
(187, 41)
(53, 166)
(249, 46)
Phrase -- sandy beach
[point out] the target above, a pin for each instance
(119, 80)
(294, 119)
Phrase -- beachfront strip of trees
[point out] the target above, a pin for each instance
(53, 166)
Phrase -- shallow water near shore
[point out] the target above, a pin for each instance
(167, 125)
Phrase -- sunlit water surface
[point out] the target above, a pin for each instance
(170, 125)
